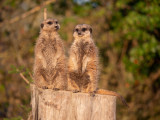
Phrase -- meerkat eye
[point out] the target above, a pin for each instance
(56, 22)
(76, 30)
(49, 23)
(84, 29)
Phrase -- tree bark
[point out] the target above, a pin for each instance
(48, 104)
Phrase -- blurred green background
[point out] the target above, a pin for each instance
(127, 33)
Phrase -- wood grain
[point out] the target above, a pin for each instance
(65, 105)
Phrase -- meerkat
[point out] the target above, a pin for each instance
(83, 63)
(50, 62)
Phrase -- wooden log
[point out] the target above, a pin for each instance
(65, 105)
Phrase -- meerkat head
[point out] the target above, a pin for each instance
(82, 30)
(50, 25)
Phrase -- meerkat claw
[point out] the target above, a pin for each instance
(44, 87)
(92, 94)
(76, 91)
(56, 89)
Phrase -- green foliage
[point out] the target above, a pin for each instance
(79, 10)
(2, 89)
(139, 23)
(21, 69)
(14, 69)
(68, 20)
(14, 118)
(59, 7)
(11, 3)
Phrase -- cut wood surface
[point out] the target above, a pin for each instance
(65, 105)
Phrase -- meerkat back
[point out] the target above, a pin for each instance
(50, 62)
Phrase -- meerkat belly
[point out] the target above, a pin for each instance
(84, 63)
(82, 60)
(50, 56)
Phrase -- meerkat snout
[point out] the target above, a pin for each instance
(50, 25)
(56, 27)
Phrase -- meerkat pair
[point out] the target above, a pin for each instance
(50, 62)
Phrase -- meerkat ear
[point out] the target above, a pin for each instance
(90, 29)
(74, 30)
(42, 25)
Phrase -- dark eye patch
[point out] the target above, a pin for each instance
(76, 30)
(84, 29)
(56, 22)
(49, 23)
(90, 30)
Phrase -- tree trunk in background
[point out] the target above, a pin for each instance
(64, 105)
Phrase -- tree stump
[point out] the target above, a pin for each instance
(65, 105)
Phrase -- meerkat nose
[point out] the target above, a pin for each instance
(79, 33)
(56, 26)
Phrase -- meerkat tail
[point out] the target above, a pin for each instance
(107, 92)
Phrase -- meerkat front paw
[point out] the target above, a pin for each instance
(92, 94)
(75, 91)
(56, 89)
(44, 87)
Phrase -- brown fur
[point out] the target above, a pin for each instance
(49, 65)
(83, 64)
(107, 92)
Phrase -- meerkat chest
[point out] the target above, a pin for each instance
(49, 47)
(49, 52)
(82, 49)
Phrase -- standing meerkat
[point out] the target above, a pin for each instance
(83, 63)
(50, 61)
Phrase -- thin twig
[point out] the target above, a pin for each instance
(154, 76)
(45, 13)
(124, 49)
(24, 78)
(26, 14)
(31, 75)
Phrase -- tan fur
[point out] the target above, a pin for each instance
(107, 92)
(83, 64)
(50, 61)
